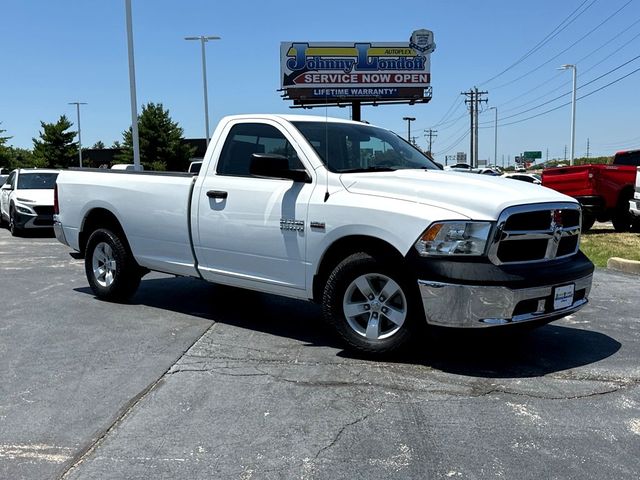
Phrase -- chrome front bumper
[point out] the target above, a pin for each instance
(473, 306)
(634, 207)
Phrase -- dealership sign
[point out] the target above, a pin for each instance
(319, 73)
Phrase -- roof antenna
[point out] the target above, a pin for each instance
(326, 143)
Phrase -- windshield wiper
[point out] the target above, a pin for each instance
(369, 169)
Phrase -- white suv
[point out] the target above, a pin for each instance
(26, 199)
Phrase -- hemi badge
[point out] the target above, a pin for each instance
(318, 225)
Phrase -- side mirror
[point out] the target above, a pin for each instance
(272, 165)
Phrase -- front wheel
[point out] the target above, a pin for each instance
(372, 306)
(13, 228)
(111, 270)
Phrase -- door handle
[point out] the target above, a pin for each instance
(217, 194)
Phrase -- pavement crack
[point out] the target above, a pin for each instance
(339, 434)
(123, 413)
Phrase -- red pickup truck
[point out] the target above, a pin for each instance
(603, 191)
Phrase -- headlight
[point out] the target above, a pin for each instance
(24, 209)
(454, 238)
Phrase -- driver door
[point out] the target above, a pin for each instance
(251, 230)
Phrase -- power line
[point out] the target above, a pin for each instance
(566, 49)
(550, 36)
(578, 62)
(568, 103)
(453, 145)
(567, 93)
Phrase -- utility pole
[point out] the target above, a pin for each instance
(132, 88)
(471, 102)
(409, 120)
(475, 98)
(574, 70)
(430, 134)
(587, 147)
(547, 154)
(565, 153)
(204, 39)
(479, 100)
(77, 104)
(413, 140)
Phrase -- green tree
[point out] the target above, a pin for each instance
(99, 145)
(4, 151)
(161, 141)
(56, 148)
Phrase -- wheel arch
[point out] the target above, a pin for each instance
(348, 245)
(626, 193)
(100, 218)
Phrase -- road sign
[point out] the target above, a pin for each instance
(532, 155)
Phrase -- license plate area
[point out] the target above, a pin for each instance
(563, 296)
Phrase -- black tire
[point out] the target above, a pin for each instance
(587, 221)
(622, 219)
(356, 329)
(13, 228)
(120, 275)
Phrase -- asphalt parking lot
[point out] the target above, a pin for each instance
(199, 381)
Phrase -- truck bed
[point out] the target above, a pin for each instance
(156, 221)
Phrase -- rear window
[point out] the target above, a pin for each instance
(627, 158)
(36, 181)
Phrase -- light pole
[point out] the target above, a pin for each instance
(132, 89)
(77, 104)
(204, 39)
(409, 120)
(495, 138)
(573, 109)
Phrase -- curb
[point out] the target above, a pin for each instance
(623, 265)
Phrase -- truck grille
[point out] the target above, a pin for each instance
(534, 233)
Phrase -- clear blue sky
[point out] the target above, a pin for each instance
(54, 52)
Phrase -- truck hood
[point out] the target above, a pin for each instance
(476, 196)
(35, 197)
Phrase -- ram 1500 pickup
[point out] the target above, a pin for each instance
(338, 212)
(604, 191)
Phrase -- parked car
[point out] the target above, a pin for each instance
(125, 166)
(462, 167)
(525, 177)
(634, 204)
(338, 212)
(488, 171)
(604, 191)
(26, 199)
(194, 167)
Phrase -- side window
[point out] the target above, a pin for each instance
(12, 180)
(628, 158)
(244, 140)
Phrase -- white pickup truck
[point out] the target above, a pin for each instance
(341, 213)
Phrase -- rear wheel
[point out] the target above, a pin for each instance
(372, 306)
(111, 270)
(622, 219)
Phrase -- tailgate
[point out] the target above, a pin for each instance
(573, 181)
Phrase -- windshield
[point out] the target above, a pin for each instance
(36, 181)
(347, 147)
